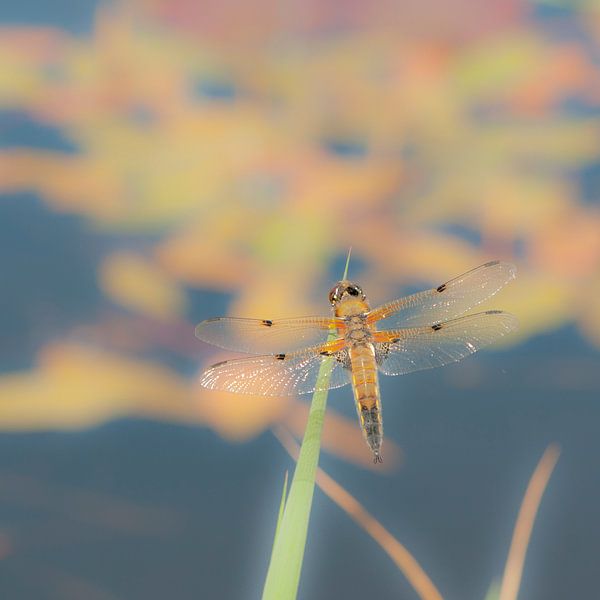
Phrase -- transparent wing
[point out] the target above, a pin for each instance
(266, 336)
(447, 301)
(280, 374)
(405, 350)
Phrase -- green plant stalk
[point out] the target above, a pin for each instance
(281, 505)
(283, 575)
(494, 591)
(287, 555)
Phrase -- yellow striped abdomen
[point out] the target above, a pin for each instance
(366, 395)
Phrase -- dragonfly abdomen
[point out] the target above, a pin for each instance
(366, 395)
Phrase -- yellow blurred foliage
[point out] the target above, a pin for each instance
(76, 386)
(238, 417)
(140, 285)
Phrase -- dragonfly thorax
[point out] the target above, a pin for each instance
(357, 330)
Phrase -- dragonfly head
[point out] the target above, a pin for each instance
(343, 290)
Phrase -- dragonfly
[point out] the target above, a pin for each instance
(352, 346)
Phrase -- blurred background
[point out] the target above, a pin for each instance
(167, 161)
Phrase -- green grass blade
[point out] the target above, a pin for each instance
(283, 575)
(494, 591)
(287, 555)
(347, 264)
(281, 505)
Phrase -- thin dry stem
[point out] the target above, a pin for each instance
(513, 570)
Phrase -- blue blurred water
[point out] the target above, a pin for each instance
(75, 17)
(17, 130)
(48, 264)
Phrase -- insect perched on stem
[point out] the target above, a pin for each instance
(427, 329)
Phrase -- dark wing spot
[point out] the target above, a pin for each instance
(493, 312)
(223, 362)
(343, 357)
(491, 263)
(436, 327)
(325, 353)
(441, 288)
(382, 351)
(267, 322)
(213, 320)
(280, 356)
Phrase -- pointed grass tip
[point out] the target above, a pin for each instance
(347, 264)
